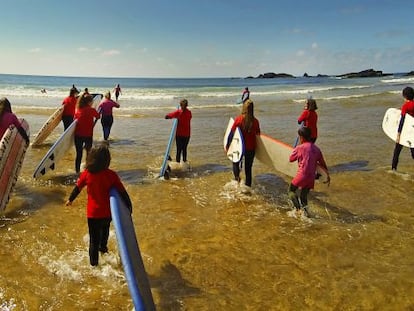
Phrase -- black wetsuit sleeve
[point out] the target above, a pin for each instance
(74, 194)
(400, 126)
(125, 197)
(229, 139)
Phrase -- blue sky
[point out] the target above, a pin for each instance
(211, 38)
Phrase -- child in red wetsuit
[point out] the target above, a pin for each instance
(308, 156)
(250, 128)
(182, 136)
(85, 116)
(69, 104)
(98, 179)
(407, 107)
(309, 117)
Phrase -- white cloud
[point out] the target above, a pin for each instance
(35, 50)
(300, 53)
(111, 52)
(314, 46)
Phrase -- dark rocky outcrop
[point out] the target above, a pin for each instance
(411, 73)
(272, 75)
(368, 73)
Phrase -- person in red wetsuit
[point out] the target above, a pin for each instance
(309, 118)
(107, 119)
(250, 128)
(407, 107)
(69, 104)
(308, 156)
(98, 179)
(8, 118)
(85, 116)
(182, 136)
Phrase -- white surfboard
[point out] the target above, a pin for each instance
(275, 154)
(236, 149)
(48, 127)
(57, 151)
(12, 151)
(390, 127)
(131, 258)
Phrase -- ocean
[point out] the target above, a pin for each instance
(206, 244)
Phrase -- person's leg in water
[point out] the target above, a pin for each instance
(180, 147)
(104, 235)
(94, 237)
(236, 169)
(185, 142)
(397, 151)
(79, 151)
(293, 196)
(248, 163)
(304, 200)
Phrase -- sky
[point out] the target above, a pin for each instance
(210, 38)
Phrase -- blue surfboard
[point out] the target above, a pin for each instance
(131, 258)
(171, 139)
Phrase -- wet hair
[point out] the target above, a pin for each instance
(408, 93)
(183, 102)
(98, 158)
(248, 113)
(73, 92)
(311, 104)
(5, 105)
(305, 133)
(84, 100)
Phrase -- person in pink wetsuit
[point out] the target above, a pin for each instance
(308, 156)
(8, 118)
(107, 119)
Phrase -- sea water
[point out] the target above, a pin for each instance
(207, 244)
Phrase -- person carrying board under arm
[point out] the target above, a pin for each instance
(7, 118)
(407, 107)
(99, 179)
(250, 128)
(85, 116)
(69, 104)
(182, 136)
(308, 156)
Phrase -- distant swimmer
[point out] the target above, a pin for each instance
(117, 91)
(43, 91)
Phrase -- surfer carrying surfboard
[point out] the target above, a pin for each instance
(308, 156)
(250, 128)
(99, 179)
(407, 107)
(86, 115)
(8, 118)
(69, 104)
(183, 133)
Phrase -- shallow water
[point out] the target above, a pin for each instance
(206, 244)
